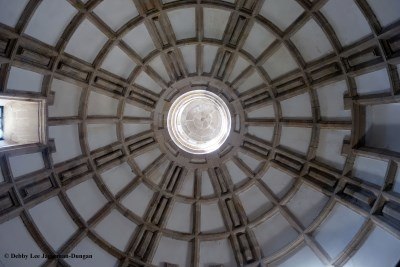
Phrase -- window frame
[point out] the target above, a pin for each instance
(5, 145)
(2, 122)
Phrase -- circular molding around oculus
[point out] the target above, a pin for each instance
(199, 122)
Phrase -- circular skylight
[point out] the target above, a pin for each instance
(199, 122)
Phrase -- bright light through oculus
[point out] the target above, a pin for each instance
(199, 122)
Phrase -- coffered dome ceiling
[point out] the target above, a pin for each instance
(308, 176)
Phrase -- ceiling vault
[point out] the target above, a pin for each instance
(378, 204)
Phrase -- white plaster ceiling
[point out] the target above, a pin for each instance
(48, 23)
(288, 217)
(24, 80)
(311, 41)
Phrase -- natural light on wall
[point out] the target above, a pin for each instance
(22, 122)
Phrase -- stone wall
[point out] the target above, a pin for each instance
(21, 124)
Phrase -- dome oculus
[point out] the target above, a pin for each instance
(199, 122)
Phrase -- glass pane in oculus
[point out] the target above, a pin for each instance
(199, 122)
